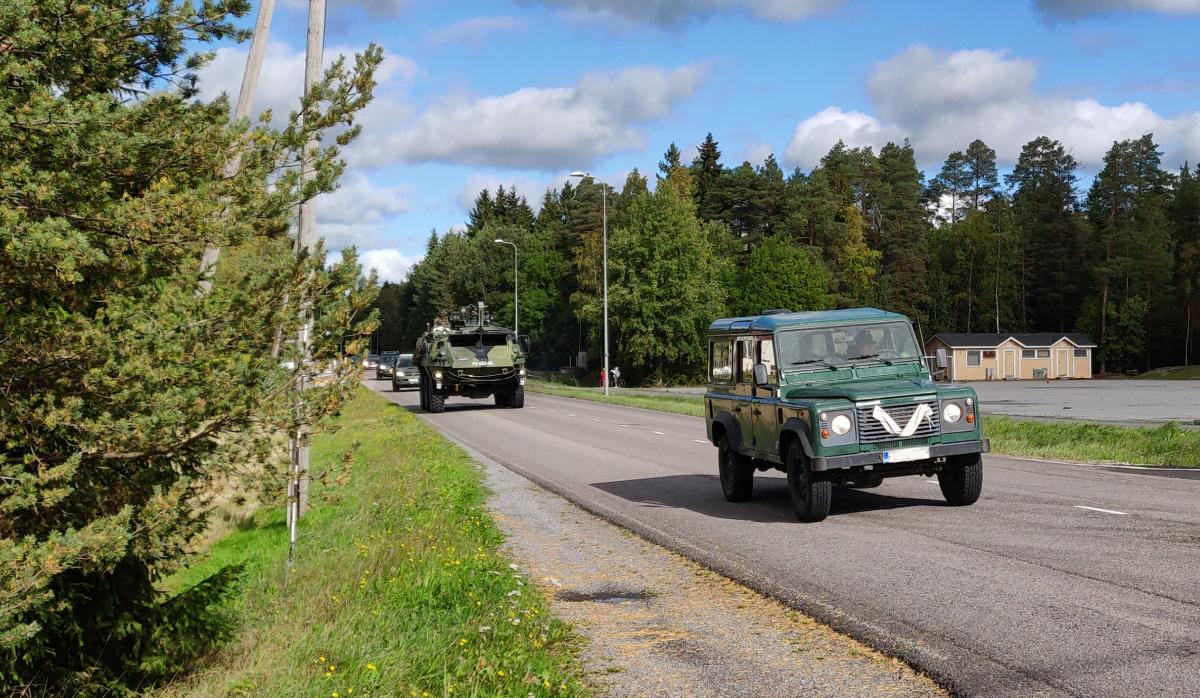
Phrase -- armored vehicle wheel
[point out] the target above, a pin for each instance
(437, 402)
(810, 494)
(961, 479)
(736, 470)
(517, 397)
(423, 387)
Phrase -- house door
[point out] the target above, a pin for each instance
(1010, 364)
(1064, 363)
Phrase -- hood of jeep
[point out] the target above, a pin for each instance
(860, 390)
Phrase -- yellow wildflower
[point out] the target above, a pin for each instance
(370, 666)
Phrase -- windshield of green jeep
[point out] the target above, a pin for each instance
(834, 347)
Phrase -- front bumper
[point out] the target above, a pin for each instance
(876, 457)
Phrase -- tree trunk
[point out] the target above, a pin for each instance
(258, 47)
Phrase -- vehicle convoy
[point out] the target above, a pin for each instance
(468, 356)
(840, 397)
(404, 373)
(384, 368)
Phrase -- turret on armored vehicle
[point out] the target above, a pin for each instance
(468, 356)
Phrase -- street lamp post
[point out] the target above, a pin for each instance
(604, 219)
(516, 286)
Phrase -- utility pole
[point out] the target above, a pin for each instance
(258, 47)
(305, 239)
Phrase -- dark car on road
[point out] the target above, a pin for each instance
(385, 366)
(404, 373)
(840, 397)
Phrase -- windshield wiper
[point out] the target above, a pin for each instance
(815, 361)
(869, 356)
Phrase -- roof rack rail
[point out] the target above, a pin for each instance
(776, 311)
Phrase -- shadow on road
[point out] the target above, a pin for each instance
(702, 494)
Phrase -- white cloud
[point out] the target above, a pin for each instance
(1071, 9)
(473, 31)
(816, 135)
(281, 80)
(943, 101)
(391, 264)
(532, 189)
(359, 211)
(673, 12)
(540, 128)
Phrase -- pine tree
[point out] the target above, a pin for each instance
(903, 228)
(672, 159)
(1052, 238)
(983, 181)
(856, 265)
(706, 173)
(953, 182)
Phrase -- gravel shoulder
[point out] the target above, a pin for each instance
(660, 625)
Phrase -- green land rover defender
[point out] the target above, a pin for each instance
(840, 397)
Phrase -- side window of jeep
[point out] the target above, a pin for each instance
(721, 359)
(766, 357)
(746, 356)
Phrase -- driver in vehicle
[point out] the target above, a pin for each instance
(864, 345)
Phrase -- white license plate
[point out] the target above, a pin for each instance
(413, 380)
(904, 455)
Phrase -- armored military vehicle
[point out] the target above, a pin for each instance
(467, 355)
(840, 397)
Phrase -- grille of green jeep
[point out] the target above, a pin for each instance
(871, 430)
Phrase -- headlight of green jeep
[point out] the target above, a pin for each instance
(837, 428)
(958, 414)
(840, 424)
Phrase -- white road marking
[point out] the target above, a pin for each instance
(930, 481)
(1103, 511)
(659, 433)
(570, 415)
(700, 441)
(554, 411)
(595, 420)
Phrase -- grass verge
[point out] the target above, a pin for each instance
(398, 588)
(1086, 442)
(679, 404)
(1181, 373)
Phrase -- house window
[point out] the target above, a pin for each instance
(989, 354)
(722, 362)
(1028, 353)
(1081, 353)
(972, 358)
(1043, 353)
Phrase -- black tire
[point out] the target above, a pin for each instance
(961, 480)
(811, 494)
(395, 388)
(736, 471)
(516, 398)
(422, 387)
(501, 398)
(437, 401)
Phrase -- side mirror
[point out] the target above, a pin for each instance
(760, 374)
(941, 359)
(523, 340)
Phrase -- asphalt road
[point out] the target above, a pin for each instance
(1062, 580)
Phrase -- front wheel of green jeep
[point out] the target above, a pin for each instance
(811, 494)
(736, 470)
(961, 479)
(516, 399)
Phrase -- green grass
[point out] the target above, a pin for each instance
(692, 405)
(1167, 444)
(1181, 373)
(398, 589)
(1069, 441)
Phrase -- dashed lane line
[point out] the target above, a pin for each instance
(700, 441)
(1102, 511)
(660, 433)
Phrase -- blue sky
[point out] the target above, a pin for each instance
(478, 94)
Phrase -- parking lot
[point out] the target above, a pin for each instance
(1138, 402)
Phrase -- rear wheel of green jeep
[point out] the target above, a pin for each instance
(961, 479)
(810, 493)
(736, 470)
